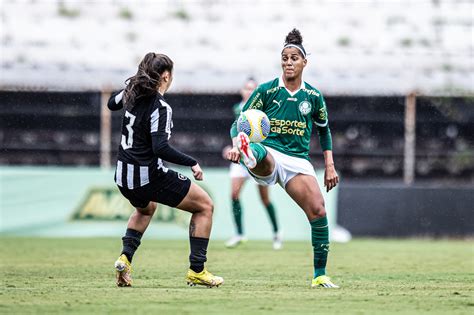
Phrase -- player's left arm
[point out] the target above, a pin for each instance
(116, 101)
(320, 118)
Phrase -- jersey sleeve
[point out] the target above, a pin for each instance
(320, 115)
(160, 121)
(325, 138)
(160, 130)
(320, 118)
(255, 101)
(116, 101)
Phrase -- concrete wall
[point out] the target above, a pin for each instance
(396, 210)
(51, 201)
(66, 202)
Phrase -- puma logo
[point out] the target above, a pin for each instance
(276, 102)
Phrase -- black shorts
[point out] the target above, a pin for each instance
(168, 188)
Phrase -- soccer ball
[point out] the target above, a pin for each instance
(255, 124)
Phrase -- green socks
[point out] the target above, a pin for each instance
(272, 215)
(258, 151)
(320, 242)
(237, 210)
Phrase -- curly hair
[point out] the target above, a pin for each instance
(294, 37)
(147, 78)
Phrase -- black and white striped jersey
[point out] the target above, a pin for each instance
(146, 129)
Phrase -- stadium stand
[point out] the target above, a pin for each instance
(364, 66)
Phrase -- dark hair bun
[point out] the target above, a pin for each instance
(294, 37)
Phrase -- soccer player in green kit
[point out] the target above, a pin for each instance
(292, 107)
(239, 176)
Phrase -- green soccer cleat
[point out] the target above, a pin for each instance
(203, 278)
(123, 270)
(323, 282)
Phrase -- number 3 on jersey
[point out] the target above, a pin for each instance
(127, 141)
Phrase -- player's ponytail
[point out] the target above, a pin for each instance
(147, 78)
(294, 39)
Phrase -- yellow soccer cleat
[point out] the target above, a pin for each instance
(323, 282)
(123, 270)
(203, 278)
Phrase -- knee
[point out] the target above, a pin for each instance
(265, 201)
(149, 210)
(234, 195)
(208, 207)
(318, 210)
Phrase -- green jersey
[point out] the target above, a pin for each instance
(291, 116)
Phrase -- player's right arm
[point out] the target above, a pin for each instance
(255, 101)
(116, 101)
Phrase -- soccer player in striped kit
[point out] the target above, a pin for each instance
(292, 106)
(143, 179)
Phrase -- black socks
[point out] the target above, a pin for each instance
(130, 242)
(197, 258)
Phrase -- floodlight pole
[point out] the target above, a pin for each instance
(105, 130)
(410, 139)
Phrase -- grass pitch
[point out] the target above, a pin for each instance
(56, 276)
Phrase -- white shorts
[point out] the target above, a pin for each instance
(238, 171)
(286, 167)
